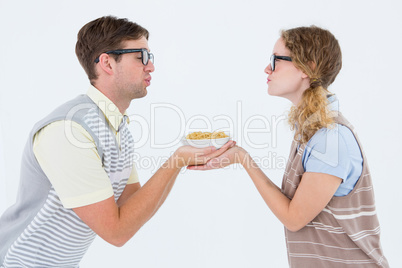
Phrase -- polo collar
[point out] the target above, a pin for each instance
(109, 109)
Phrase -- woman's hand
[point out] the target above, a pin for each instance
(233, 155)
(191, 156)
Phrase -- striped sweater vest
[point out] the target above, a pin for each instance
(346, 233)
(37, 231)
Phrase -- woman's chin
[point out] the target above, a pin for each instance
(271, 92)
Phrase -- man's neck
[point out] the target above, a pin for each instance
(112, 95)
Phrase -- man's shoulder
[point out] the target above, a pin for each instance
(72, 110)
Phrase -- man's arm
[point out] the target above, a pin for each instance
(167, 191)
(83, 185)
(130, 189)
(117, 224)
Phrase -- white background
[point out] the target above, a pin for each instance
(209, 57)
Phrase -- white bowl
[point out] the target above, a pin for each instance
(218, 143)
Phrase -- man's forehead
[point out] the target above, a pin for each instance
(140, 43)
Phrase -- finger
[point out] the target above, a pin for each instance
(214, 163)
(201, 160)
(227, 146)
(211, 152)
(220, 151)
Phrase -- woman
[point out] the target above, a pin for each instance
(326, 201)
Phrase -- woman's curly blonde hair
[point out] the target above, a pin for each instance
(317, 53)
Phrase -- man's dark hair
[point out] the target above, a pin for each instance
(101, 35)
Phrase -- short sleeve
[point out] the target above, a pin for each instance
(335, 152)
(327, 152)
(133, 176)
(68, 156)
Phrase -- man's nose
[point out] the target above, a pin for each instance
(150, 67)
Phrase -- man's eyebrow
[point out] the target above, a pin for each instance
(147, 49)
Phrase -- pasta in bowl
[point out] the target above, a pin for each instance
(204, 139)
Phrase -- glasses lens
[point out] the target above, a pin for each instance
(144, 55)
(272, 62)
(151, 57)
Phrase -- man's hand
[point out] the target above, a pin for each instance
(233, 155)
(191, 156)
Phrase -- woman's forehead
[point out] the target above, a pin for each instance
(280, 48)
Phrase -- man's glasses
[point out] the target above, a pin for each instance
(145, 55)
(275, 57)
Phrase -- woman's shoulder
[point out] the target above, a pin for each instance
(337, 143)
(335, 132)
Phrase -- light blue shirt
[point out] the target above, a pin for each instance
(335, 151)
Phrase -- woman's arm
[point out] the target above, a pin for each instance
(312, 195)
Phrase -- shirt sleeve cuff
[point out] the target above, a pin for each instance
(337, 173)
(133, 176)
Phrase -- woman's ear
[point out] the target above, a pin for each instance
(303, 75)
(312, 66)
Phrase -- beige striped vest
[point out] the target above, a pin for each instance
(346, 233)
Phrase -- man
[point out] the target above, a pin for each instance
(77, 177)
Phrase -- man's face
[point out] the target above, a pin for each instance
(132, 77)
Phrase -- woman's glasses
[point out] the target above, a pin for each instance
(275, 57)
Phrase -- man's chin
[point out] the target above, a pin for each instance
(140, 94)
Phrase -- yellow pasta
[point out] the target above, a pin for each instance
(206, 135)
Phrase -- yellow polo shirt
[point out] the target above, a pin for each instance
(76, 173)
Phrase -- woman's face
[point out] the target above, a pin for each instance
(286, 81)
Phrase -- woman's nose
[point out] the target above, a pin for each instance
(268, 69)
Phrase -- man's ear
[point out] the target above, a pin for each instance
(106, 63)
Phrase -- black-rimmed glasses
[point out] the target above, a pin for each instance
(275, 57)
(145, 55)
